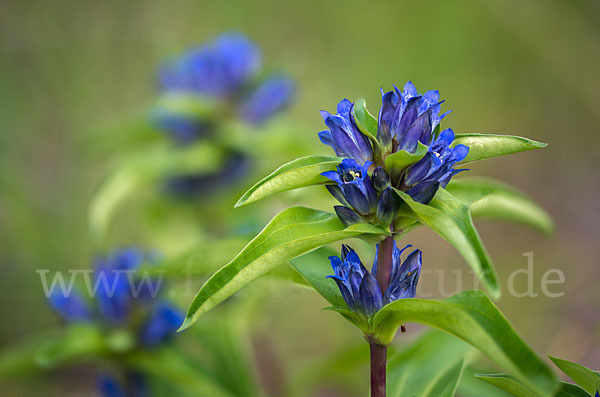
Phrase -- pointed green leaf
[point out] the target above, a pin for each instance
(483, 146)
(365, 121)
(291, 233)
(571, 390)
(395, 163)
(450, 218)
(584, 377)
(430, 367)
(508, 384)
(472, 317)
(298, 173)
(491, 199)
(314, 267)
(511, 385)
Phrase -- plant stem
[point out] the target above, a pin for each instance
(378, 352)
(384, 262)
(378, 364)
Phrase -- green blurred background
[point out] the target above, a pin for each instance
(72, 72)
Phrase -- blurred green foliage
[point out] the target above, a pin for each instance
(76, 78)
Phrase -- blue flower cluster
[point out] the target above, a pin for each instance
(121, 301)
(226, 70)
(359, 287)
(405, 120)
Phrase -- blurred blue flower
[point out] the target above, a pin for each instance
(344, 136)
(133, 385)
(435, 169)
(185, 186)
(162, 324)
(70, 306)
(218, 69)
(359, 287)
(121, 299)
(270, 97)
(183, 129)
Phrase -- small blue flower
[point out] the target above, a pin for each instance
(133, 385)
(271, 96)
(115, 292)
(359, 287)
(161, 325)
(218, 69)
(237, 166)
(406, 118)
(70, 306)
(354, 188)
(182, 129)
(344, 136)
(435, 169)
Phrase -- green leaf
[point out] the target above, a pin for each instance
(484, 146)
(397, 162)
(584, 377)
(172, 367)
(147, 169)
(514, 387)
(78, 341)
(508, 384)
(298, 173)
(365, 121)
(450, 218)
(571, 390)
(472, 317)
(314, 268)
(430, 367)
(185, 104)
(291, 233)
(491, 199)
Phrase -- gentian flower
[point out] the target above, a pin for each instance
(359, 287)
(118, 303)
(71, 307)
(359, 196)
(344, 137)
(133, 385)
(224, 71)
(161, 325)
(218, 69)
(435, 169)
(354, 188)
(406, 120)
(406, 117)
(270, 97)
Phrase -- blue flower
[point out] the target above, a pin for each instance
(115, 292)
(218, 69)
(161, 326)
(133, 385)
(435, 169)
(271, 96)
(344, 136)
(183, 129)
(406, 118)
(354, 188)
(237, 165)
(359, 287)
(70, 306)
